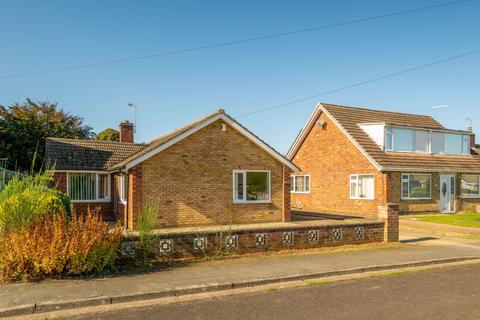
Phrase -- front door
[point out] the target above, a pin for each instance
(447, 193)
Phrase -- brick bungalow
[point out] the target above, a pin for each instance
(353, 159)
(213, 171)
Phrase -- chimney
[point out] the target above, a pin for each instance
(126, 131)
(472, 137)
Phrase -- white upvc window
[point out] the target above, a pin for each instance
(88, 186)
(251, 186)
(300, 184)
(362, 187)
(123, 188)
(416, 186)
(470, 186)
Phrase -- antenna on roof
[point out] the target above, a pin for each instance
(134, 106)
(440, 106)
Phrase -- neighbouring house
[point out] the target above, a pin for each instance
(211, 172)
(353, 159)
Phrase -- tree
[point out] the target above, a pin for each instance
(24, 127)
(109, 134)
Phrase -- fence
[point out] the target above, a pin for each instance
(5, 176)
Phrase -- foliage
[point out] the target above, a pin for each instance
(24, 127)
(52, 246)
(26, 198)
(457, 219)
(109, 134)
(146, 224)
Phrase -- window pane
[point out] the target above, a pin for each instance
(300, 183)
(466, 144)
(239, 186)
(437, 142)
(307, 183)
(419, 186)
(403, 139)
(365, 186)
(124, 187)
(82, 186)
(388, 141)
(421, 141)
(453, 144)
(103, 186)
(470, 185)
(353, 187)
(257, 186)
(292, 184)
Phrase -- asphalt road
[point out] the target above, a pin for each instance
(446, 293)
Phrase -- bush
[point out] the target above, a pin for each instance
(146, 224)
(52, 246)
(27, 198)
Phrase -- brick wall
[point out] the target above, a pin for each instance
(330, 158)
(190, 183)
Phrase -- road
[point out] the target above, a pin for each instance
(443, 293)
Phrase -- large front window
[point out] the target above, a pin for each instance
(416, 186)
(251, 186)
(300, 184)
(362, 186)
(470, 186)
(88, 186)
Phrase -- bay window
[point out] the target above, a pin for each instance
(362, 186)
(300, 184)
(88, 186)
(251, 186)
(416, 186)
(470, 186)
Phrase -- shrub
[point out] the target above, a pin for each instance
(27, 198)
(52, 245)
(146, 224)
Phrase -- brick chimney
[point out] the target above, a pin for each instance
(472, 137)
(126, 131)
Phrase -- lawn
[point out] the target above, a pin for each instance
(460, 219)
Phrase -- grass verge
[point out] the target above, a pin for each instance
(471, 220)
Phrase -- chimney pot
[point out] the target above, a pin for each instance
(126, 132)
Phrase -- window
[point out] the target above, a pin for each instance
(251, 186)
(88, 186)
(453, 144)
(437, 142)
(123, 192)
(300, 184)
(422, 141)
(403, 139)
(470, 186)
(362, 186)
(416, 186)
(389, 139)
(466, 144)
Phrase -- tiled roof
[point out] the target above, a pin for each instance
(349, 118)
(74, 154)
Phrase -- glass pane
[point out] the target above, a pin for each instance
(300, 183)
(257, 186)
(403, 139)
(405, 189)
(103, 186)
(239, 186)
(292, 184)
(419, 186)
(307, 183)
(470, 185)
(365, 186)
(388, 141)
(124, 187)
(453, 144)
(421, 141)
(353, 187)
(82, 186)
(466, 144)
(437, 142)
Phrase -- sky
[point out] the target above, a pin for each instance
(174, 90)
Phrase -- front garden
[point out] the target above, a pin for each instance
(471, 220)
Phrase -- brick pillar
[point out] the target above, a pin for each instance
(126, 132)
(134, 195)
(390, 214)
(287, 215)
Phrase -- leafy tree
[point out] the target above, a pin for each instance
(24, 127)
(109, 134)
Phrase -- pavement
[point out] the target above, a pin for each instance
(419, 248)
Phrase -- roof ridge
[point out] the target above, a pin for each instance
(377, 110)
(97, 141)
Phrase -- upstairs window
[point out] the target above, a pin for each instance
(416, 186)
(251, 186)
(300, 184)
(470, 186)
(362, 186)
(87, 186)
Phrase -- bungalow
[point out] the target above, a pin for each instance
(213, 171)
(353, 159)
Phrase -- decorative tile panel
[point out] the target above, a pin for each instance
(128, 249)
(231, 242)
(359, 233)
(165, 246)
(200, 244)
(313, 236)
(261, 239)
(337, 234)
(288, 238)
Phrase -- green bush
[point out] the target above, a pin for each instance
(146, 225)
(27, 198)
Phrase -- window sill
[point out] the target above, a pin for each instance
(90, 201)
(300, 192)
(415, 199)
(470, 197)
(370, 199)
(253, 202)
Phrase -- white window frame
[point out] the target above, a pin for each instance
(121, 183)
(356, 197)
(245, 201)
(469, 196)
(305, 185)
(96, 200)
(410, 198)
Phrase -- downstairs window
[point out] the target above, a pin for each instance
(416, 186)
(88, 186)
(470, 186)
(251, 186)
(362, 186)
(300, 184)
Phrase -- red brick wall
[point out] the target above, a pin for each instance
(330, 158)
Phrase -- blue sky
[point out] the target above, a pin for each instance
(174, 90)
